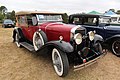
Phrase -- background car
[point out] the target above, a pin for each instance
(101, 25)
(7, 23)
(44, 32)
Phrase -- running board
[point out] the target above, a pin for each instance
(27, 46)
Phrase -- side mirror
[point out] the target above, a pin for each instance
(34, 21)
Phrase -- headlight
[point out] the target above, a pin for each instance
(91, 35)
(78, 38)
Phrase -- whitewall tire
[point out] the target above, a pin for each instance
(60, 62)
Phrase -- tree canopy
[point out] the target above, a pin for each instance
(6, 15)
(3, 9)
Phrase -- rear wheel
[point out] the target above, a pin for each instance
(60, 62)
(17, 40)
(116, 47)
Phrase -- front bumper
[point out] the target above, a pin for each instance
(9, 25)
(86, 64)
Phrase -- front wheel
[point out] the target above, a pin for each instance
(116, 47)
(60, 62)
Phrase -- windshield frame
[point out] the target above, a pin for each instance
(48, 18)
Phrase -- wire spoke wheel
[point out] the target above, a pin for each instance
(116, 47)
(38, 41)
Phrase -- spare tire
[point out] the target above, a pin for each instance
(39, 39)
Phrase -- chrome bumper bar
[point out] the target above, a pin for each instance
(81, 66)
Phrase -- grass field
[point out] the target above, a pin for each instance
(20, 64)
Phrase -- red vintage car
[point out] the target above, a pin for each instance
(44, 32)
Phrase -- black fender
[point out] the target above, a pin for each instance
(18, 31)
(98, 38)
(113, 37)
(62, 45)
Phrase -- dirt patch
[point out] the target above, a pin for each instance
(20, 64)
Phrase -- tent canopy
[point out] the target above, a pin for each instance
(110, 13)
(94, 12)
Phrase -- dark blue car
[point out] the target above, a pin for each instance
(8, 23)
(101, 24)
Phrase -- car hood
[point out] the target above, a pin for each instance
(114, 27)
(60, 26)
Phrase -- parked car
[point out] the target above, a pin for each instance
(8, 23)
(101, 24)
(44, 32)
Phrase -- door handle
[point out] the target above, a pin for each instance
(105, 27)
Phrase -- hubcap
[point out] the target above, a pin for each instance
(57, 62)
(116, 47)
(38, 41)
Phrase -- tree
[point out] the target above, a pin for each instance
(118, 12)
(3, 9)
(13, 15)
(65, 18)
(113, 10)
(1, 17)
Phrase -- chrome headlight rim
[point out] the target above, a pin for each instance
(91, 35)
(78, 38)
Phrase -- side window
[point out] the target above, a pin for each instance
(22, 21)
(91, 21)
(77, 20)
(31, 20)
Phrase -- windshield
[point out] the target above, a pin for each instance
(104, 20)
(49, 18)
(8, 21)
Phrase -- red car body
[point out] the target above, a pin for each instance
(52, 30)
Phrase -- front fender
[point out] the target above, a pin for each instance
(98, 38)
(62, 45)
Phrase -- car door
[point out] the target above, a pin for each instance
(23, 24)
(32, 26)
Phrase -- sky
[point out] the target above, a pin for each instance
(67, 6)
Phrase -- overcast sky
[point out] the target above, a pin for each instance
(68, 6)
